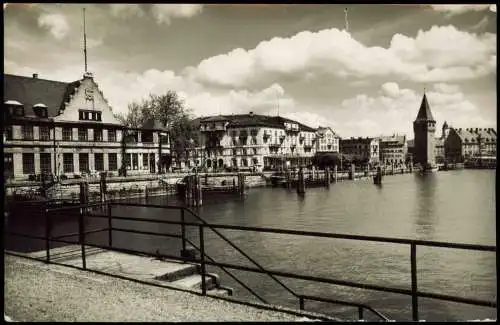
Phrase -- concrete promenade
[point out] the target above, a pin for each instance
(35, 291)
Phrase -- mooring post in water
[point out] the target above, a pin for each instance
(241, 184)
(84, 193)
(198, 194)
(189, 190)
(352, 172)
(327, 177)
(366, 171)
(146, 192)
(103, 187)
(335, 171)
(301, 184)
(392, 169)
(288, 178)
(377, 179)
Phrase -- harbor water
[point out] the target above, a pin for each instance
(452, 206)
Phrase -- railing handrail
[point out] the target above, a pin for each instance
(381, 239)
(226, 240)
(414, 293)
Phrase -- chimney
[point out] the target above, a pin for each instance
(251, 114)
(35, 75)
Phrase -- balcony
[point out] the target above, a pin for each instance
(274, 145)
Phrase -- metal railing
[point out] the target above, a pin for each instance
(205, 260)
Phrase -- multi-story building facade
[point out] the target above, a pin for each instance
(393, 149)
(69, 129)
(252, 141)
(439, 151)
(463, 144)
(327, 140)
(367, 149)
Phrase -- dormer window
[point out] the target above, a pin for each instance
(40, 110)
(15, 108)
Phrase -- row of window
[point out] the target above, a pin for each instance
(84, 115)
(131, 160)
(67, 134)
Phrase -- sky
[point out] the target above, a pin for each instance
(365, 77)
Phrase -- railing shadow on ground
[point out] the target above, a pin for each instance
(84, 211)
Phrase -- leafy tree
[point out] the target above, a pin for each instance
(170, 110)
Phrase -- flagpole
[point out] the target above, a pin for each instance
(84, 40)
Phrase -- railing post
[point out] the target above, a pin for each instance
(47, 233)
(414, 293)
(183, 231)
(81, 230)
(360, 313)
(110, 227)
(202, 262)
(301, 303)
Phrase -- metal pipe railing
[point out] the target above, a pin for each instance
(206, 260)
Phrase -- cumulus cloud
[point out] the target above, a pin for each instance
(165, 12)
(55, 23)
(389, 112)
(481, 24)
(455, 9)
(126, 10)
(391, 89)
(447, 88)
(442, 53)
(162, 13)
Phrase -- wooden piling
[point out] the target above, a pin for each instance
(84, 193)
(352, 172)
(301, 184)
(288, 178)
(377, 179)
(103, 187)
(189, 190)
(327, 177)
(146, 192)
(198, 191)
(335, 173)
(241, 184)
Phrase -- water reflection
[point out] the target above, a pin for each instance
(425, 204)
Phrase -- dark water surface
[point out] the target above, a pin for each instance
(453, 206)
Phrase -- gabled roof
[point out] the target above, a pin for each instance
(249, 120)
(322, 130)
(424, 113)
(353, 140)
(472, 134)
(30, 91)
(400, 139)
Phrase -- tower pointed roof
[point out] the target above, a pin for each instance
(424, 112)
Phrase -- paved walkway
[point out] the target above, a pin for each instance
(35, 291)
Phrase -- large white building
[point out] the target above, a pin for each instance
(328, 140)
(252, 141)
(69, 129)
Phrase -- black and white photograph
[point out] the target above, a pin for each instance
(251, 162)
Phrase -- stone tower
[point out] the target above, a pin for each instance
(424, 128)
(445, 130)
